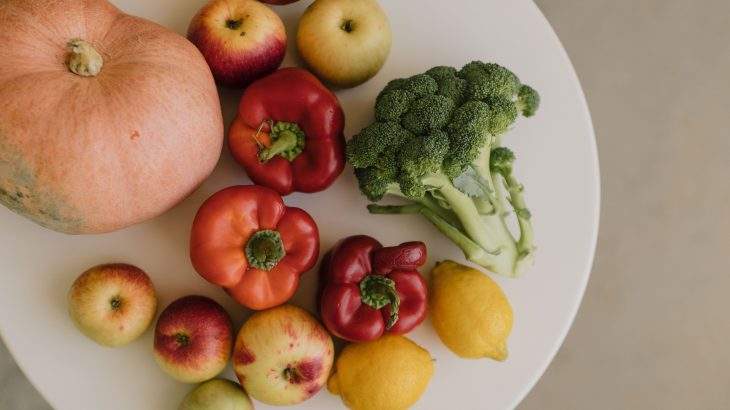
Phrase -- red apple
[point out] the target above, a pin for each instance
(112, 304)
(283, 356)
(242, 40)
(193, 339)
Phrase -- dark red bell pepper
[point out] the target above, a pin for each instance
(288, 134)
(368, 289)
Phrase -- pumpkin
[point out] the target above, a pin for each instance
(106, 119)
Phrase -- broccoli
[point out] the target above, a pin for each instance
(436, 144)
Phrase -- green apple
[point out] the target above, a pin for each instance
(344, 42)
(112, 304)
(217, 394)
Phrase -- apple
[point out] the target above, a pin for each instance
(344, 42)
(242, 40)
(217, 394)
(193, 339)
(282, 356)
(112, 304)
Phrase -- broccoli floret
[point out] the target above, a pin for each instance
(396, 84)
(452, 88)
(420, 85)
(392, 105)
(528, 101)
(436, 144)
(501, 160)
(420, 156)
(431, 112)
(503, 115)
(366, 148)
(441, 72)
(492, 81)
(468, 134)
(472, 114)
(375, 181)
(474, 69)
(449, 83)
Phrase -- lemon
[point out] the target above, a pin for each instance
(390, 373)
(470, 313)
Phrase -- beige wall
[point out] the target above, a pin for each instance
(654, 328)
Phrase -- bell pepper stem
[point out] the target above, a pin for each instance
(377, 292)
(265, 249)
(287, 140)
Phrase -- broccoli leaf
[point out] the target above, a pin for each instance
(471, 183)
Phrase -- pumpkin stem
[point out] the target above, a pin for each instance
(83, 59)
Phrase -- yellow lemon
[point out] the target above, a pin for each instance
(390, 373)
(469, 311)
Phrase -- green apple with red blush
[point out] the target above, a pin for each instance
(283, 355)
(112, 304)
(193, 339)
(217, 394)
(241, 40)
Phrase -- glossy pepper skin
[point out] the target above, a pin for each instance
(288, 134)
(246, 240)
(361, 281)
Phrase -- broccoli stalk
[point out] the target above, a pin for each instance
(436, 144)
(484, 238)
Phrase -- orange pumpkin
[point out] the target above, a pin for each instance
(106, 119)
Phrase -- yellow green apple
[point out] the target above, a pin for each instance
(217, 394)
(344, 42)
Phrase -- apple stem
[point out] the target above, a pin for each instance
(182, 339)
(291, 375)
(234, 24)
(287, 140)
(377, 291)
(116, 303)
(348, 26)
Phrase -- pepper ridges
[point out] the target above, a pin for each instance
(245, 239)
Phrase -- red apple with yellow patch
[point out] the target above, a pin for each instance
(193, 339)
(283, 356)
(112, 304)
(242, 40)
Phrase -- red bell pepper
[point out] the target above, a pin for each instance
(246, 240)
(368, 290)
(288, 134)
